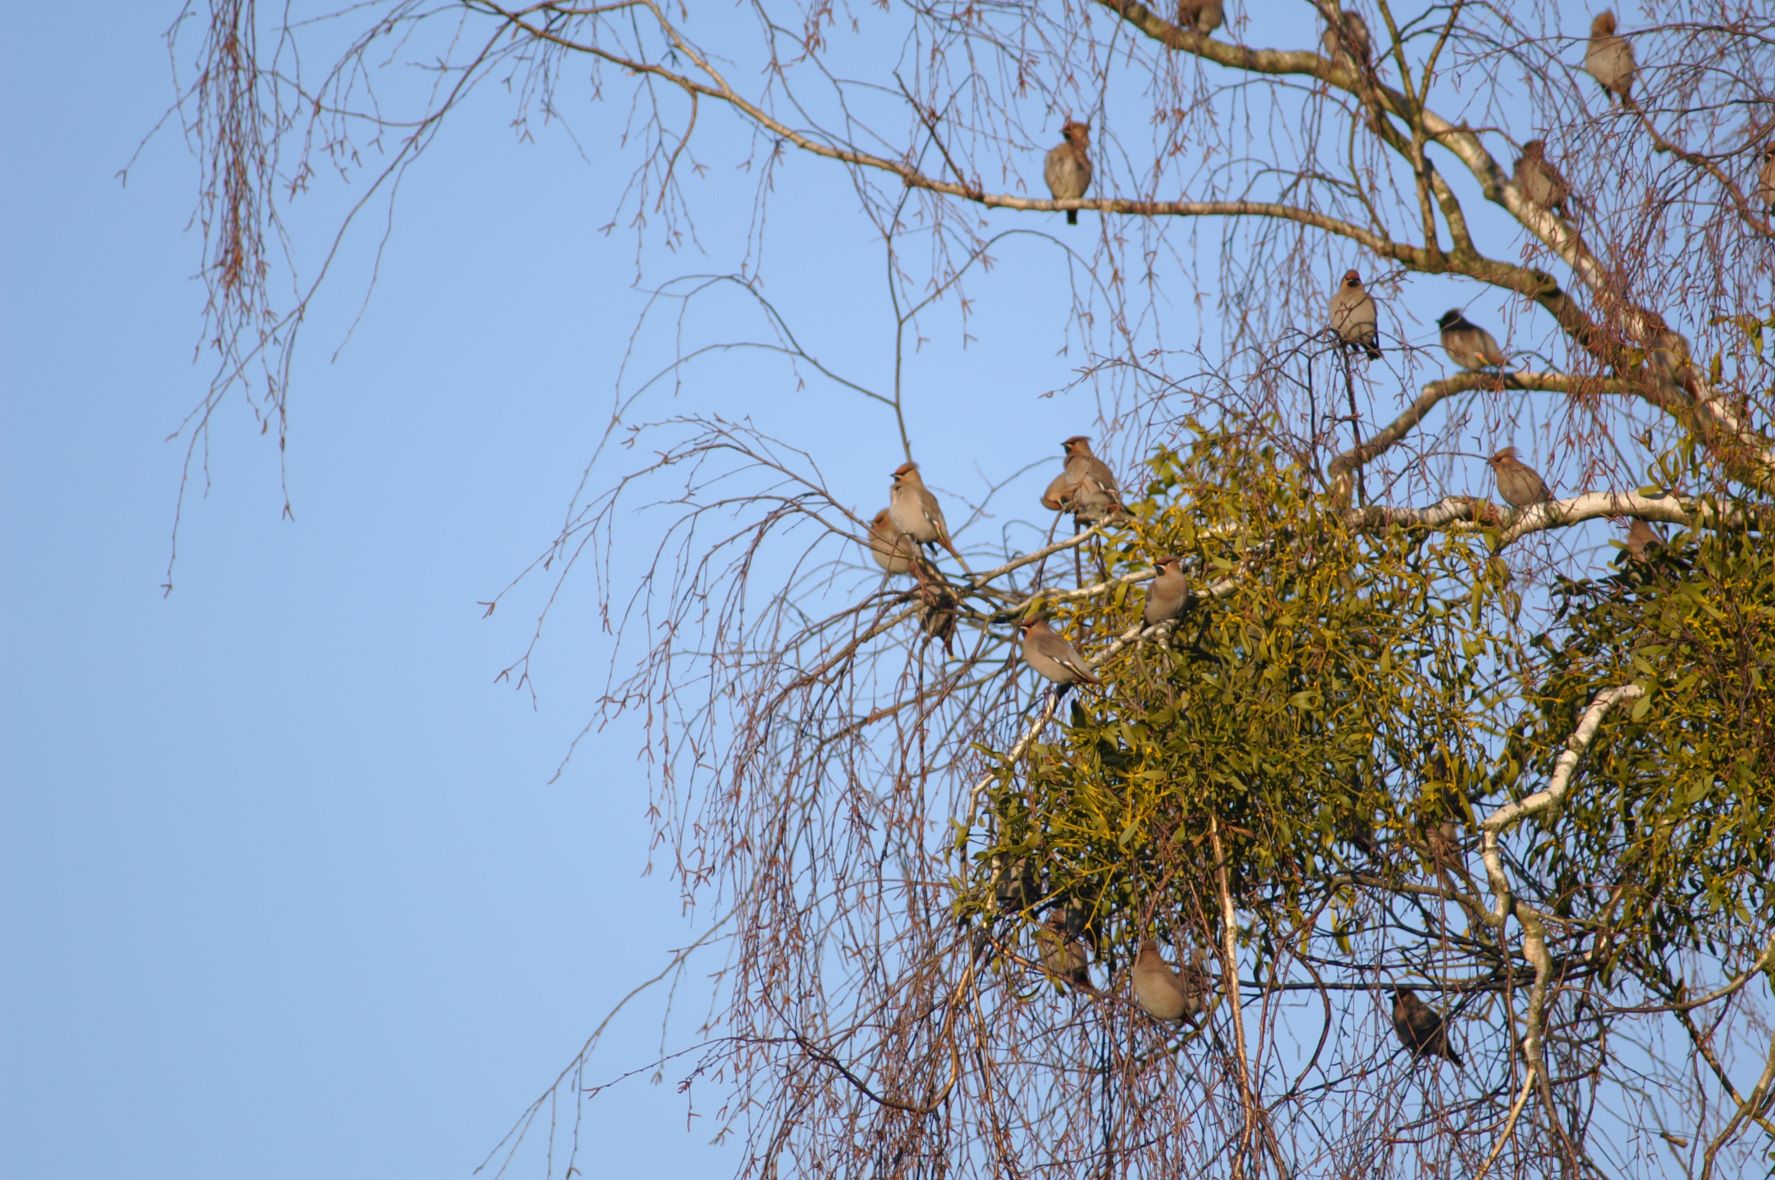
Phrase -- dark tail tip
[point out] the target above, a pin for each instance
(1072, 217)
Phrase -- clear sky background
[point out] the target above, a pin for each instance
(287, 890)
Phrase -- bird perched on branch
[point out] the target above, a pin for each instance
(1068, 167)
(1063, 955)
(1765, 195)
(1517, 481)
(1541, 183)
(1352, 316)
(1168, 594)
(1204, 16)
(914, 511)
(1421, 1028)
(1085, 486)
(1346, 36)
(1642, 538)
(1049, 653)
(1166, 994)
(888, 546)
(1467, 344)
(1609, 58)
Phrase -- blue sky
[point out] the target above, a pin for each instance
(287, 888)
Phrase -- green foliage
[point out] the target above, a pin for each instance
(1319, 666)
(1678, 796)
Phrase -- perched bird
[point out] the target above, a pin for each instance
(1062, 955)
(1167, 596)
(1517, 481)
(1641, 538)
(1085, 486)
(1608, 58)
(1052, 656)
(1068, 167)
(1540, 182)
(1765, 196)
(1467, 344)
(1164, 993)
(1347, 37)
(888, 546)
(1421, 1028)
(1204, 16)
(915, 512)
(1353, 316)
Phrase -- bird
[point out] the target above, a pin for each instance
(1466, 343)
(1641, 539)
(915, 512)
(1353, 315)
(1347, 36)
(1168, 594)
(888, 546)
(1421, 1028)
(1540, 182)
(1517, 481)
(1766, 181)
(1049, 653)
(1085, 484)
(1204, 16)
(1609, 59)
(1062, 955)
(1068, 167)
(1166, 994)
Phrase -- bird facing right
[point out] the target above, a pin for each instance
(1352, 316)
(1518, 483)
(1467, 344)
(1068, 166)
(1164, 993)
(1421, 1028)
(1609, 58)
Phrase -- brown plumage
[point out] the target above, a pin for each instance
(1348, 38)
(1204, 16)
(1168, 594)
(1467, 344)
(888, 547)
(1068, 166)
(1063, 955)
(1642, 538)
(1352, 316)
(1609, 59)
(1518, 483)
(1085, 486)
(1421, 1028)
(1765, 194)
(1052, 656)
(1164, 993)
(1541, 183)
(914, 511)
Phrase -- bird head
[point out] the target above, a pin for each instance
(905, 472)
(1078, 444)
(1352, 279)
(1534, 148)
(1452, 318)
(1507, 455)
(1603, 25)
(1076, 132)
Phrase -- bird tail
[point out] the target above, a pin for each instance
(1072, 217)
(1372, 349)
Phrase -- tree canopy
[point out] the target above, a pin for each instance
(1491, 748)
